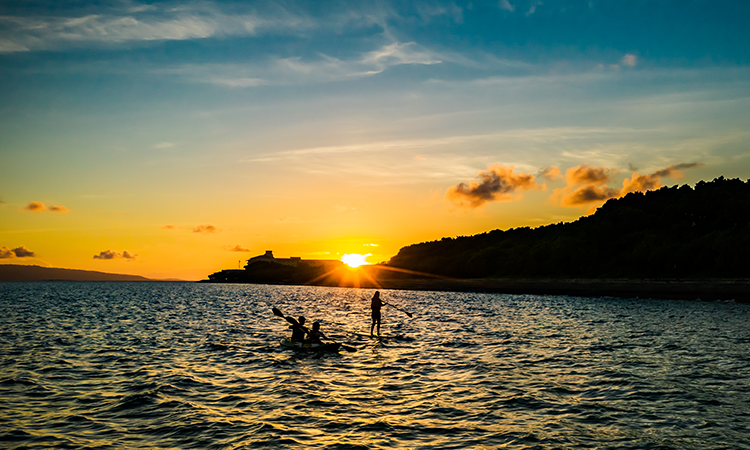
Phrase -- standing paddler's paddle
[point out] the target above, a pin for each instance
(277, 312)
(405, 312)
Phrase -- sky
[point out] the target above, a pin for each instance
(175, 139)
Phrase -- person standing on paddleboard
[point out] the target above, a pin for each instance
(376, 305)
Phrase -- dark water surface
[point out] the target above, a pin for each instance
(182, 365)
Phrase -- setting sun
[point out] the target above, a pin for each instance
(355, 259)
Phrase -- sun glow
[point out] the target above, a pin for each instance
(355, 259)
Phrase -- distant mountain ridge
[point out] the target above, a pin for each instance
(14, 272)
(672, 232)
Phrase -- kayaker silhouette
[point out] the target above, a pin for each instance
(315, 334)
(376, 305)
(299, 330)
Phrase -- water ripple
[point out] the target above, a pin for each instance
(181, 365)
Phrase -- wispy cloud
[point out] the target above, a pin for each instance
(319, 68)
(110, 255)
(18, 252)
(239, 248)
(158, 22)
(505, 4)
(532, 8)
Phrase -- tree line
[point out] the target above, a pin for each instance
(672, 232)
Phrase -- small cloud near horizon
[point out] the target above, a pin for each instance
(18, 252)
(109, 255)
(629, 60)
(41, 207)
(496, 184)
(238, 248)
(205, 229)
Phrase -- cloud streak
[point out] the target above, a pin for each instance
(497, 183)
(112, 25)
(319, 68)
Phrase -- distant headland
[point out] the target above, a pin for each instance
(674, 242)
(15, 272)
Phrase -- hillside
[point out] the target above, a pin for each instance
(10, 272)
(673, 232)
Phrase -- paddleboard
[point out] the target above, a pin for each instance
(381, 336)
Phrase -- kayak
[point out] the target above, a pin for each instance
(305, 346)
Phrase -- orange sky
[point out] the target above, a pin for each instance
(176, 142)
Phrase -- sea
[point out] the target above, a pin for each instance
(174, 365)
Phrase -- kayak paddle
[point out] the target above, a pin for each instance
(290, 319)
(277, 312)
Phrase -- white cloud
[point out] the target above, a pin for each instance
(396, 54)
(504, 4)
(115, 26)
(296, 70)
(629, 60)
(532, 8)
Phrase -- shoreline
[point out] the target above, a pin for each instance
(724, 289)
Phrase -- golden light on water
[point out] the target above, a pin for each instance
(355, 259)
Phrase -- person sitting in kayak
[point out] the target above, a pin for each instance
(299, 330)
(315, 334)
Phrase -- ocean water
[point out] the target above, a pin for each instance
(183, 365)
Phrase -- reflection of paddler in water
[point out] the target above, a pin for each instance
(299, 330)
(376, 305)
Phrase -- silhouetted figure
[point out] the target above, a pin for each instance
(376, 305)
(299, 330)
(315, 334)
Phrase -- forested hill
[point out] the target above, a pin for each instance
(671, 232)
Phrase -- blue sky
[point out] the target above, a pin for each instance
(317, 128)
